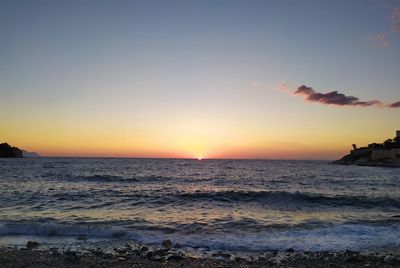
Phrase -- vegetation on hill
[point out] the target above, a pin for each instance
(387, 145)
(364, 156)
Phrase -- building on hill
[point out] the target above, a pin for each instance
(385, 154)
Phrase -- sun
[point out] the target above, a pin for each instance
(199, 158)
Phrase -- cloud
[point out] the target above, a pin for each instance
(382, 40)
(334, 98)
(283, 87)
(394, 105)
(379, 40)
(395, 20)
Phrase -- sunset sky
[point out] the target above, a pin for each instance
(211, 79)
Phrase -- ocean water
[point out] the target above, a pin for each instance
(243, 205)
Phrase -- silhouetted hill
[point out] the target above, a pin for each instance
(7, 151)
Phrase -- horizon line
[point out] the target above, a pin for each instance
(181, 158)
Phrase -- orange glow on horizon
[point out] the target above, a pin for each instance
(196, 138)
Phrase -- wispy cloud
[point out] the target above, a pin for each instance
(334, 98)
(395, 20)
(382, 40)
(379, 40)
(283, 87)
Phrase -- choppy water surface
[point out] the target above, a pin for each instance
(218, 204)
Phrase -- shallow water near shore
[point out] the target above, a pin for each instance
(236, 205)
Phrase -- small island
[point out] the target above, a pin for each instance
(385, 154)
(9, 151)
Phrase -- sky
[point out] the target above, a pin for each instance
(280, 79)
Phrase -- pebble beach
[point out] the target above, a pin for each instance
(136, 255)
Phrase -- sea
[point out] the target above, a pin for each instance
(235, 205)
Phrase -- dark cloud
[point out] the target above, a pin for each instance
(334, 98)
(394, 105)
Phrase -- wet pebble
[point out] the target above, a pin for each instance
(97, 252)
(54, 251)
(122, 250)
(389, 259)
(167, 244)
(222, 256)
(70, 257)
(32, 244)
(175, 257)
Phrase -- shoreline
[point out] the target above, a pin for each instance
(136, 255)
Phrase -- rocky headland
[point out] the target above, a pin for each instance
(385, 154)
(9, 151)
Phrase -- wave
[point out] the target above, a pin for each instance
(272, 199)
(295, 199)
(112, 178)
(109, 196)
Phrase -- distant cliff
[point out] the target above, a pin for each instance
(30, 154)
(386, 154)
(8, 151)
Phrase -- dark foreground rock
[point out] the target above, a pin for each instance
(128, 257)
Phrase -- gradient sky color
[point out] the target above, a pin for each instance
(196, 78)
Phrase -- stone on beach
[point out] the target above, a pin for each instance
(32, 244)
(221, 256)
(167, 244)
